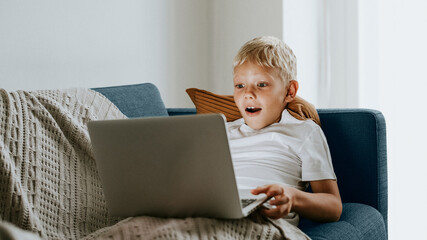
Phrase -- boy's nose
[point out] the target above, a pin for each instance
(249, 92)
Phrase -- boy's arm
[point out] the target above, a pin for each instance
(323, 205)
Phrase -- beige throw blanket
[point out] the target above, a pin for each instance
(252, 227)
(49, 184)
(48, 178)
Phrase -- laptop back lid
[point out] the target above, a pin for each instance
(166, 166)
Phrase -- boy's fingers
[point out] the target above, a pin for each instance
(269, 190)
(279, 200)
(258, 190)
(274, 213)
(274, 191)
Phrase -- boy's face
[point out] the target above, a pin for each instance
(260, 94)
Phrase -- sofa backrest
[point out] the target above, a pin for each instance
(137, 100)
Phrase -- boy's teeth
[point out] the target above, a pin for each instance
(252, 109)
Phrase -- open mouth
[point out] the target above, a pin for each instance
(252, 109)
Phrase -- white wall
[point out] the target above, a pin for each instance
(402, 97)
(392, 78)
(94, 43)
(324, 37)
(233, 23)
(343, 48)
(188, 51)
(304, 32)
(61, 44)
(54, 44)
(368, 33)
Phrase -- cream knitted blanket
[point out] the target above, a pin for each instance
(252, 227)
(49, 183)
(48, 178)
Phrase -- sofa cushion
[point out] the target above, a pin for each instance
(208, 102)
(358, 221)
(138, 100)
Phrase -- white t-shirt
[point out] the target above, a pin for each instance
(291, 152)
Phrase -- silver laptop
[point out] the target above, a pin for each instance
(169, 167)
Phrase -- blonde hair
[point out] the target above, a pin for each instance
(269, 52)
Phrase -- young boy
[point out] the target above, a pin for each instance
(274, 153)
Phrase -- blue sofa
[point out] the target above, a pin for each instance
(357, 141)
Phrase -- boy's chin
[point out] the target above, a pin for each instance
(255, 124)
(259, 122)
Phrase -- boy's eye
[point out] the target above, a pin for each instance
(239, 86)
(262, 84)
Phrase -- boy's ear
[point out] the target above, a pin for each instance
(292, 91)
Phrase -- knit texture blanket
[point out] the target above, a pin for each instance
(253, 227)
(48, 178)
(49, 183)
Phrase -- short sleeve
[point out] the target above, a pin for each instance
(316, 158)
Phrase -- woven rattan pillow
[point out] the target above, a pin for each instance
(208, 102)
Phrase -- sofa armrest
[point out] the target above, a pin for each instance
(357, 142)
(358, 221)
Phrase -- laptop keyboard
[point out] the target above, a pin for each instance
(246, 202)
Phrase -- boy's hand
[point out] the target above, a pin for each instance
(283, 199)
